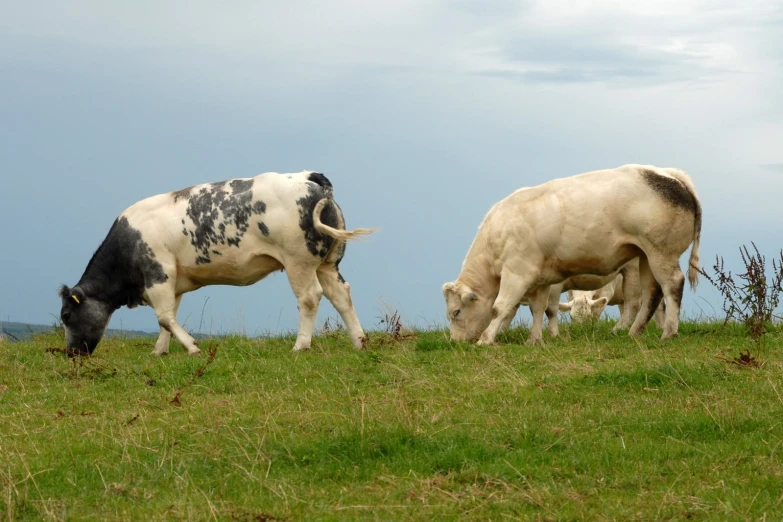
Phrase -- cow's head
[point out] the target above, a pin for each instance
(468, 313)
(583, 307)
(84, 319)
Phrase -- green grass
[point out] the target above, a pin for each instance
(589, 426)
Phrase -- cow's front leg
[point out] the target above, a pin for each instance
(164, 339)
(632, 298)
(552, 308)
(308, 292)
(512, 290)
(538, 304)
(161, 297)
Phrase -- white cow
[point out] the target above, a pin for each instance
(593, 223)
(233, 232)
(623, 291)
(589, 294)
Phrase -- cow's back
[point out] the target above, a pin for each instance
(593, 222)
(219, 231)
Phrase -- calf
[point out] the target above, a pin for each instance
(589, 294)
(585, 301)
(233, 232)
(592, 223)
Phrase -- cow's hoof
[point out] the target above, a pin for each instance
(159, 354)
(484, 342)
(361, 344)
(532, 341)
(298, 348)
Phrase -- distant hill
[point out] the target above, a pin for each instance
(19, 331)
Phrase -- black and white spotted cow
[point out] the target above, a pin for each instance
(233, 232)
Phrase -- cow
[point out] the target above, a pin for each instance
(592, 223)
(588, 295)
(586, 302)
(232, 232)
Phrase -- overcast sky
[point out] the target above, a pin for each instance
(421, 113)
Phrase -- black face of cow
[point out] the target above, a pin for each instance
(84, 319)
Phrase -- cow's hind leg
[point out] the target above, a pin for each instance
(512, 289)
(308, 292)
(673, 283)
(660, 314)
(651, 297)
(165, 303)
(338, 291)
(164, 339)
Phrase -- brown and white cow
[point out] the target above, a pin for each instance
(233, 232)
(593, 223)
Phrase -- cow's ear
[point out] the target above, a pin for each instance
(64, 291)
(77, 295)
(470, 297)
(564, 307)
(598, 303)
(449, 288)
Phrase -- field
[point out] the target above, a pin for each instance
(589, 426)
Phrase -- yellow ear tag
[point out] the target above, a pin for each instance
(75, 299)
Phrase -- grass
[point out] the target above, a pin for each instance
(588, 426)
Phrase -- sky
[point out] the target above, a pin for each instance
(423, 114)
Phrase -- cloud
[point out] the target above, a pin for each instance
(634, 43)
(535, 41)
(773, 167)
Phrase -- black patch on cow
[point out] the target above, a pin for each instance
(673, 191)
(125, 256)
(213, 207)
(183, 193)
(549, 314)
(117, 274)
(263, 228)
(84, 319)
(318, 244)
(340, 251)
(655, 300)
(241, 185)
(321, 180)
(340, 277)
(678, 290)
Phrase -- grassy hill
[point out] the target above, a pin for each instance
(588, 426)
(20, 331)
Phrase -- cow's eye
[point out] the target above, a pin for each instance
(455, 313)
(66, 316)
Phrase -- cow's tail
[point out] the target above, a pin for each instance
(693, 263)
(336, 233)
